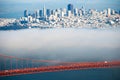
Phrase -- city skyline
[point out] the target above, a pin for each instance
(9, 8)
(65, 18)
(70, 10)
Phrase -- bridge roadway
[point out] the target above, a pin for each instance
(71, 66)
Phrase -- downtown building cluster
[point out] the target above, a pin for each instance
(72, 17)
(65, 18)
(47, 14)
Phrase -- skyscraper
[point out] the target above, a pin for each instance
(70, 8)
(48, 12)
(75, 12)
(25, 13)
(112, 12)
(83, 10)
(37, 14)
(65, 11)
(62, 14)
(69, 13)
(108, 12)
(44, 12)
(30, 19)
(79, 12)
(41, 13)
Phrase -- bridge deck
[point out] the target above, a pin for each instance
(71, 66)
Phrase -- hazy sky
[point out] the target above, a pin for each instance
(62, 44)
(107, 2)
(91, 1)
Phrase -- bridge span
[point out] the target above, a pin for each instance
(11, 69)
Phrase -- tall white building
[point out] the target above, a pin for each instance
(104, 12)
(69, 13)
(83, 10)
(108, 12)
(76, 12)
(113, 12)
(62, 14)
(79, 12)
(56, 14)
(44, 12)
(65, 11)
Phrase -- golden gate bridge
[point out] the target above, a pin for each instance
(11, 65)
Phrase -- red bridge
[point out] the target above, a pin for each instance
(11, 65)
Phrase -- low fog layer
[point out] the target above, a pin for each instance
(62, 44)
